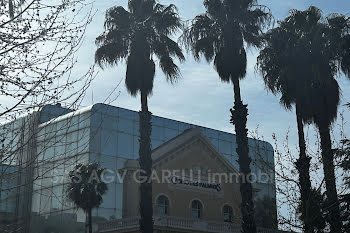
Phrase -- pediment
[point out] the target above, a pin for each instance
(191, 150)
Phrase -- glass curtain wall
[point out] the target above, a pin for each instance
(115, 138)
(110, 136)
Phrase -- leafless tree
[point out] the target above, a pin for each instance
(286, 175)
(39, 40)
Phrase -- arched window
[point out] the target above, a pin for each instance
(162, 205)
(196, 209)
(228, 213)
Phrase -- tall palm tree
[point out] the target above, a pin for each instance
(329, 55)
(300, 60)
(220, 35)
(138, 36)
(282, 64)
(86, 189)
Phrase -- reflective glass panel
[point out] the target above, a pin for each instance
(225, 147)
(157, 132)
(119, 196)
(109, 122)
(108, 162)
(83, 140)
(109, 197)
(125, 145)
(170, 133)
(127, 114)
(108, 142)
(125, 125)
(171, 124)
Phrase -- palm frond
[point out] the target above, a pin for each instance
(255, 21)
(203, 37)
(219, 34)
(165, 48)
(134, 5)
(169, 68)
(216, 9)
(287, 102)
(84, 192)
(141, 9)
(166, 19)
(205, 46)
(111, 53)
(113, 45)
(164, 45)
(136, 36)
(117, 18)
(300, 59)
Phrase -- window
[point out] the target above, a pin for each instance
(196, 209)
(162, 205)
(227, 212)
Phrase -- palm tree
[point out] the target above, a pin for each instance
(220, 35)
(280, 63)
(300, 60)
(86, 189)
(137, 36)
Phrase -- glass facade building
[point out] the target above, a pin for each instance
(61, 138)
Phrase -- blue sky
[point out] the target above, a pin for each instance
(199, 97)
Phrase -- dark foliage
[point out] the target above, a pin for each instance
(300, 60)
(219, 35)
(344, 155)
(137, 36)
(317, 207)
(265, 213)
(86, 189)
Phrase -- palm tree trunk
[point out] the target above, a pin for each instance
(145, 160)
(239, 115)
(329, 176)
(303, 167)
(90, 220)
